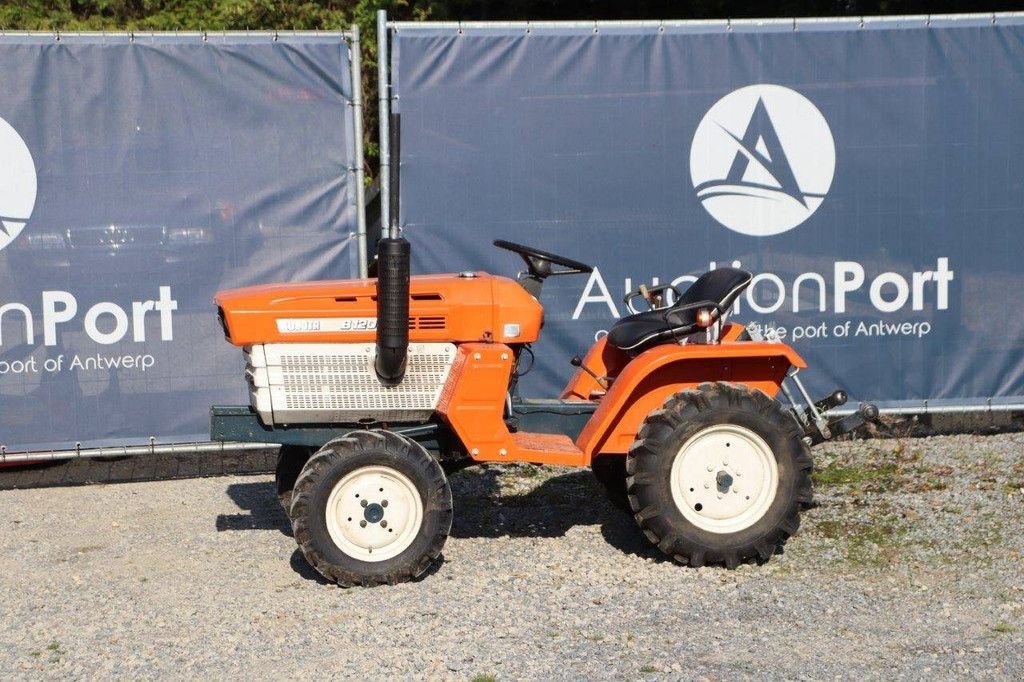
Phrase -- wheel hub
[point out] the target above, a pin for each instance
(374, 513)
(724, 481)
(724, 478)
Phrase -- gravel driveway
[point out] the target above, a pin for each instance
(911, 566)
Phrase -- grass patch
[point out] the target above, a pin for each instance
(866, 544)
(648, 669)
(484, 678)
(1003, 628)
(929, 484)
(1013, 487)
(884, 476)
(900, 469)
(56, 651)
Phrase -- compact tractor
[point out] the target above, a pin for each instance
(377, 389)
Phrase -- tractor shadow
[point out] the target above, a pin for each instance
(548, 510)
(259, 507)
(260, 510)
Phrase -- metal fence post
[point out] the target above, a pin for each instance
(384, 95)
(357, 132)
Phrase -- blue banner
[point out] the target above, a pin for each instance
(869, 173)
(139, 174)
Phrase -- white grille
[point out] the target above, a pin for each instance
(305, 383)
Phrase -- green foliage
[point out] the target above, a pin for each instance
(215, 15)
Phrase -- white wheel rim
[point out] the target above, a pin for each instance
(724, 478)
(374, 513)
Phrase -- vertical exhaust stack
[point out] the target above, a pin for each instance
(393, 281)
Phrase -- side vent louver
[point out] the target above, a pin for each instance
(428, 322)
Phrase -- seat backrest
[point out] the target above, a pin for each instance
(723, 285)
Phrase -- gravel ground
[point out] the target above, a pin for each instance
(911, 566)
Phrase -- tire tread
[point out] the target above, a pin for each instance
(661, 427)
(353, 443)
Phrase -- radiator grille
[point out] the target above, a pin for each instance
(331, 383)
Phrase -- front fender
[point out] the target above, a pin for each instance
(650, 378)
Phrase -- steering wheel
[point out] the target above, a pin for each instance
(539, 262)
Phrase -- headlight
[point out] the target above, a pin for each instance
(44, 240)
(189, 235)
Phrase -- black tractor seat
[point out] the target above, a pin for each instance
(715, 291)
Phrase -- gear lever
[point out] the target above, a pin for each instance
(577, 361)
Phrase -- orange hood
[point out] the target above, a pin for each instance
(442, 308)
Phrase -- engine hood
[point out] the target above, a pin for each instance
(445, 307)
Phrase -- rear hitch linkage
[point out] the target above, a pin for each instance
(818, 426)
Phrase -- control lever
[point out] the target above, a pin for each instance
(577, 361)
(829, 402)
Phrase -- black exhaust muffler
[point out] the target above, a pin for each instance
(392, 309)
(393, 281)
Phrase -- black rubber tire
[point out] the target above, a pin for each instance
(649, 464)
(344, 455)
(290, 460)
(610, 472)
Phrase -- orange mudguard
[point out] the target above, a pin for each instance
(608, 361)
(647, 381)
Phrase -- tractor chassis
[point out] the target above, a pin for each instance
(555, 416)
(241, 423)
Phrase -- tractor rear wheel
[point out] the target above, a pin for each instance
(719, 475)
(290, 460)
(371, 508)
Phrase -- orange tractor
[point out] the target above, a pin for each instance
(377, 389)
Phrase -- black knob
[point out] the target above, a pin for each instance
(869, 412)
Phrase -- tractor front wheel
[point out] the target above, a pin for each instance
(719, 475)
(371, 508)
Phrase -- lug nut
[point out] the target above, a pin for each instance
(362, 524)
(383, 524)
(364, 503)
(384, 503)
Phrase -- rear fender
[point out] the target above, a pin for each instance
(651, 377)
